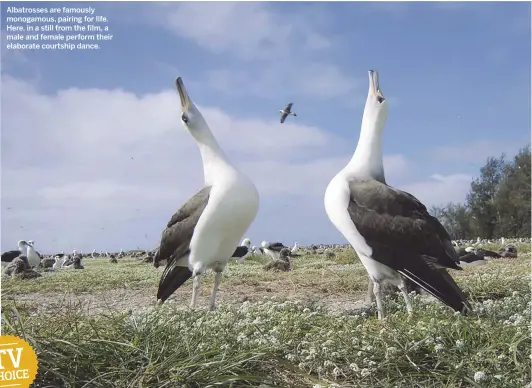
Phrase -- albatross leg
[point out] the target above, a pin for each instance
(195, 291)
(378, 297)
(404, 290)
(217, 280)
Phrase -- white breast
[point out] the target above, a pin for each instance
(336, 202)
(233, 205)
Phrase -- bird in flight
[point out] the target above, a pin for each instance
(286, 111)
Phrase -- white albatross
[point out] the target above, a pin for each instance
(34, 258)
(242, 251)
(391, 230)
(273, 249)
(204, 233)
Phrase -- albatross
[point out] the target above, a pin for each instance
(286, 111)
(9, 256)
(391, 230)
(273, 249)
(204, 233)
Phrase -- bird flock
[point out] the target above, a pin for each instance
(398, 242)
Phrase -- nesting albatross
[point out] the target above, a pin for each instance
(391, 230)
(204, 233)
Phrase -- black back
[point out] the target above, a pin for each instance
(175, 243)
(406, 238)
(240, 251)
(10, 255)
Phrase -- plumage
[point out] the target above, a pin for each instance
(391, 230)
(9, 256)
(272, 249)
(242, 251)
(287, 111)
(20, 268)
(175, 244)
(205, 232)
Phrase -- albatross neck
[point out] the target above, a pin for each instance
(366, 162)
(215, 162)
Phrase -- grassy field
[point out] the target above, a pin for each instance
(99, 327)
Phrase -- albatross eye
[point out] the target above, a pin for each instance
(380, 99)
(184, 118)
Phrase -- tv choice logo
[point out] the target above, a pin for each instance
(18, 362)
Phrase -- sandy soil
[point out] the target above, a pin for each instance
(137, 300)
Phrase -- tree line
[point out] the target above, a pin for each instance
(498, 202)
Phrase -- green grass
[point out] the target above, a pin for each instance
(275, 341)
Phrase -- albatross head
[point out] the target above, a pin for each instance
(22, 245)
(376, 108)
(191, 117)
(246, 242)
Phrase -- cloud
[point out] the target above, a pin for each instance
(105, 169)
(440, 189)
(268, 48)
(476, 152)
(249, 31)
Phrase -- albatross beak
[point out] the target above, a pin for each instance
(183, 95)
(374, 85)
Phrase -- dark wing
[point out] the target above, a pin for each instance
(175, 243)
(471, 257)
(176, 237)
(288, 108)
(486, 252)
(240, 251)
(405, 237)
(276, 247)
(283, 117)
(10, 255)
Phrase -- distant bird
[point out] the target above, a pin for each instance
(295, 249)
(391, 230)
(9, 256)
(204, 233)
(47, 262)
(509, 251)
(272, 249)
(282, 263)
(20, 268)
(113, 260)
(257, 250)
(287, 111)
(34, 258)
(74, 264)
(242, 251)
(58, 263)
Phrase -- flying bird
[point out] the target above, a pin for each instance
(287, 111)
(392, 232)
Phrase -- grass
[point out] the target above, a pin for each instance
(276, 341)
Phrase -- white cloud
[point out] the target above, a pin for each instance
(476, 152)
(248, 30)
(277, 50)
(92, 168)
(440, 189)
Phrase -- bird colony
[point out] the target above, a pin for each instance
(400, 245)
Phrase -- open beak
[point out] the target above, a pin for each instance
(183, 95)
(374, 85)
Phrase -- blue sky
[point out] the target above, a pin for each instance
(457, 76)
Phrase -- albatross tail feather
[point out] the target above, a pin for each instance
(439, 284)
(174, 276)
